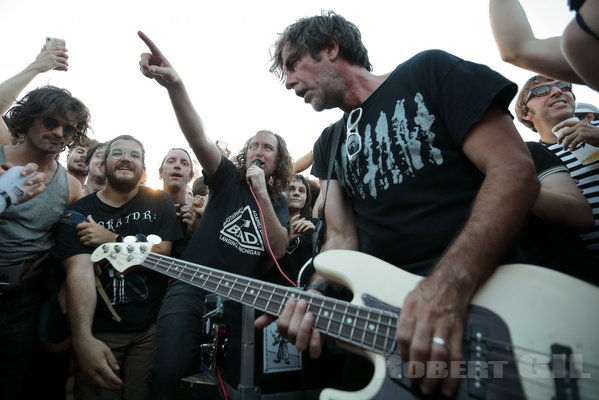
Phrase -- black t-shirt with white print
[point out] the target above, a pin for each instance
(411, 185)
(137, 294)
(230, 236)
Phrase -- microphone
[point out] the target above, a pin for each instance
(257, 162)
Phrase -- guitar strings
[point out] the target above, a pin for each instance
(216, 281)
(296, 292)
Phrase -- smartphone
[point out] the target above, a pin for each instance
(222, 144)
(54, 42)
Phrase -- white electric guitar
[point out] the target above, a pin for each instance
(531, 332)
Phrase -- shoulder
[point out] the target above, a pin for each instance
(75, 189)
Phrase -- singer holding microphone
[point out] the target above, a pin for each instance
(244, 227)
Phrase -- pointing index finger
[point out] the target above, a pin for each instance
(153, 48)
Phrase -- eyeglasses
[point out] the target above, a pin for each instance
(353, 142)
(51, 123)
(544, 90)
(117, 153)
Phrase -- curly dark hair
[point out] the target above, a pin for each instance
(48, 101)
(313, 34)
(283, 173)
(521, 107)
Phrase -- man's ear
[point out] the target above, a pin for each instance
(332, 49)
(528, 116)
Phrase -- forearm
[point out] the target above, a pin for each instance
(81, 297)
(277, 233)
(500, 208)
(519, 46)
(12, 87)
(568, 211)
(193, 128)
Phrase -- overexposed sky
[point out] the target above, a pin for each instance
(221, 50)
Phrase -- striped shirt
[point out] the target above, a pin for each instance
(587, 179)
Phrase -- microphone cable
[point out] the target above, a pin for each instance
(290, 281)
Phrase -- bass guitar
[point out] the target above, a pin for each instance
(531, 332)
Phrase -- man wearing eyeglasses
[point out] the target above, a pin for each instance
(113, 326)
(430, 175)
(45, 120)
(545, 106)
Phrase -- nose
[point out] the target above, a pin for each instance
(290, 80)
(555, 90)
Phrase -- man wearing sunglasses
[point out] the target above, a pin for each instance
(113, 333)
(544, 105)
(45, 121)
(431, 176)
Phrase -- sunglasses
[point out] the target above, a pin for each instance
(544, 90)
(117, 153)
(353, 143)
(52, 123)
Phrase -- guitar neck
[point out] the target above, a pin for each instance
(365, 327)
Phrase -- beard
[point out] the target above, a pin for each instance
(123, 185)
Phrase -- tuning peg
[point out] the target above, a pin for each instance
(154, 239)
(141, 238)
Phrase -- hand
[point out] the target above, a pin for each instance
(54, 58)
(437, 309)
(300, 226)
(579, 133)
(92, 234)
(255, 176)
(199, 205)
(189, 218)
(34, 185)
(98, 363)
(295, 324)
(154, 65)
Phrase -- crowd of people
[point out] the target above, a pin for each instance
(425, 171)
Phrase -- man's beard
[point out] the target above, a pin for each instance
(75, 170)
(123, 185)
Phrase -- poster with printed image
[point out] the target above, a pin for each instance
(279, 354)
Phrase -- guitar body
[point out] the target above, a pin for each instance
(522, 311)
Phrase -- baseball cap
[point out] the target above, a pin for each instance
(585, 108)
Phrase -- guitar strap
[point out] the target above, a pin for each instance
(318, 237)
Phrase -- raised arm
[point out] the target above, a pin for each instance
(437, 307)
(519, 46)
(154, 65)
(46, 60)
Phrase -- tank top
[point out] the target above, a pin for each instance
(26, 230)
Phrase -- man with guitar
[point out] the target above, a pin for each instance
(430, 175)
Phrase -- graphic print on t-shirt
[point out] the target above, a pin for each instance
(242, 231)
(391, 153)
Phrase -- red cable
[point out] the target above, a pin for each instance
(267, 242)
(221, 384)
